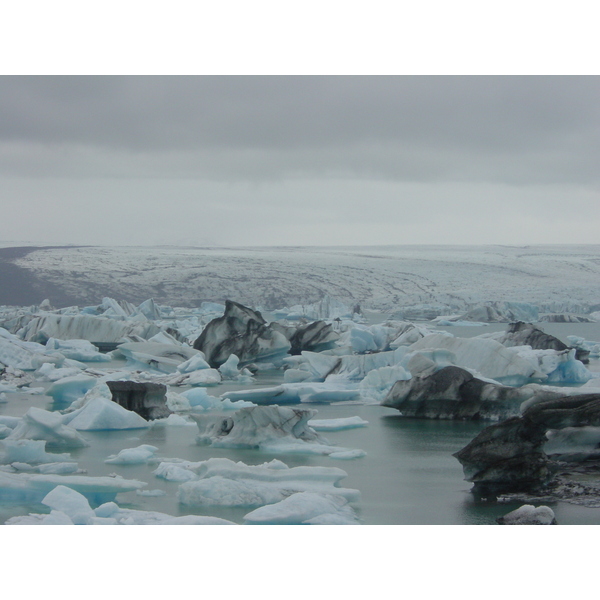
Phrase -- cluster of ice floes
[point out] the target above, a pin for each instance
(223, 482)
(71, 507)
(168, 359)
(21, 488)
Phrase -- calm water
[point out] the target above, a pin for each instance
(408, 476)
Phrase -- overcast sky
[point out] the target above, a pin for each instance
(300, 160)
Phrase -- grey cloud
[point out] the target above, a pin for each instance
(172, 112)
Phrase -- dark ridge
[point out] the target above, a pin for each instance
(20, 287)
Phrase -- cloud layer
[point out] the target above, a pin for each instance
(237, 146)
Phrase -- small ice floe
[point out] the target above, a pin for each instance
(222, 482)
(304, 508)
(133, 456)
(529, 515)
(337, 424)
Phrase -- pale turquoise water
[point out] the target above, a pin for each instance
(408, 475)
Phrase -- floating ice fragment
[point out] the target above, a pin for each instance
(337, 424)
(101, 414)
(133, 456)
(529, 515)
(304, 508)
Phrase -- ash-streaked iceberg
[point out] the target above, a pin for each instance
(243, 332)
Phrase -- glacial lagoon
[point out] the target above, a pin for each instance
(408, 476)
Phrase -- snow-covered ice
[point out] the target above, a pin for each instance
(222, 482)
(304, 508)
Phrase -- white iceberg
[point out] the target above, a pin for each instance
(81, 350)
(529, 515)
(18, 488)
(156, 356)
(222, 482)
(69, 389)
(133, 456)
(304, 508)
(99, 413)
(29, 451)
(39, 424)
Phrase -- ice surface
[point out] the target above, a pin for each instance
(298, 393)
(230, 370)
(26, 488)
(27, 356)
(39, 424)
(573, 440)
(257, 426)
(69, 389)
(200, 399)
(194, 363)
(133, 456)
(29, 451)
(337, 424)
(393, 278)
(102, 414)
(70, 507)
(326, 308)
(222, 482)
(304, 508)
(486, 356)
(81, 350)
(153, 355)
(592, 347)
(49, 372)
(529, 515)
(85, 327)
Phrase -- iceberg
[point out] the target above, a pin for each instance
(304, 508)
(229, 370)
(29, 451)
(486, 356)
(69, 389)
(455, 393)
(25, 488)
(316, 336)
(69, 507)
(502, 312)
(199, 399)
(96, 329)
(147, 399)
(222, 482)
(133, 456)
(243, 332)
(81, 350)
(155, 356)
(327, 308)
(337, 424)
(39, 424)
(299, 393)
(27, 356)
(103, 414)
(256, 426)
(529, 515)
